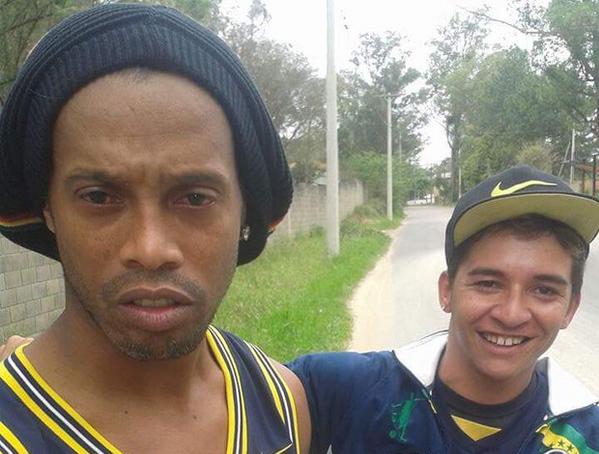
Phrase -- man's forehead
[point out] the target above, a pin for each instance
(493, 244)
(155, 94)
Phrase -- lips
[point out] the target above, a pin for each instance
(155, 296)
(503, 340)
(149, 302)
(154, 310)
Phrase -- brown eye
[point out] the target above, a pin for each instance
(546, 291)
(99, 197)
(195, 199)
(96, 197)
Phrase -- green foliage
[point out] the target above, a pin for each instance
(536, 154)
(294, 95)
(510, 106)
(566, 49)
(371, 169)
(292, 300)
(513, 108)
(458, 50)
(441, 181)
(380, 68)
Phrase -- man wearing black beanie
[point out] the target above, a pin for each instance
(136, 150)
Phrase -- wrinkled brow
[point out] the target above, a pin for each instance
(110, 178)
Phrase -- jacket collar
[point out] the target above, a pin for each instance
(566, 393)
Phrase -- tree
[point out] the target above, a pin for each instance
(293, 93)
(458, 51)
(379, 68)
(512, 108)
(536, 154)
(566, 50)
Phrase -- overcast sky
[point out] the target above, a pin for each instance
(302, 23)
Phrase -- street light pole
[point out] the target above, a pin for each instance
(332, 146)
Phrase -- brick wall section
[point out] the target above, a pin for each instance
(31, 290)
(32, 287)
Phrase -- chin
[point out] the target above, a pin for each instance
(504, 372)
(158, 347)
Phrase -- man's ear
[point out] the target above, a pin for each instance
(445, 292)
(572, 308)
(47, 212)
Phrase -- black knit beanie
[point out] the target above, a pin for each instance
(110, 38)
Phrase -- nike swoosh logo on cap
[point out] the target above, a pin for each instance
(497, 191)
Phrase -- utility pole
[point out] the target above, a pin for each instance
(389, 161)
(572, 157)
(400, 151)
(390, 98)
(459, 176)
(594, 174)
(332, 146)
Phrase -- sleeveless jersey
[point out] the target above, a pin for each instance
(261, 410)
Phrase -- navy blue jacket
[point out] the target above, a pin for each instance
(381, 403)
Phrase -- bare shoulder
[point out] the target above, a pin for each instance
(11, 345)
(301, 403)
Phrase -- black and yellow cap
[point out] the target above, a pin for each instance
(516, 192)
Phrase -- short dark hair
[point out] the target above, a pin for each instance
(530, 226)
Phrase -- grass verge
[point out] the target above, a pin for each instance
(292, 300)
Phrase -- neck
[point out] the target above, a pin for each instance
(474, 384)
(75, 352)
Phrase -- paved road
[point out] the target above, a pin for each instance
(397, 302)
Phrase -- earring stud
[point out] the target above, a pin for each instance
(245, 233)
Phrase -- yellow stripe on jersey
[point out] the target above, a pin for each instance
(288, 396)
(37, 411)
(63, 404)
(10, 438)
(473, 429)
(293, 409)
(232, 417)
(235, 371)
(271, 385)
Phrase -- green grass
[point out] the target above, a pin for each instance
(292, 300)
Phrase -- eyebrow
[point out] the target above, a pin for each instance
(551, 278)
(109, 178)
(484, 271)
(99, 176)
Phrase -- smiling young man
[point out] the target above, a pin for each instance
(515, 247)
(136, 150)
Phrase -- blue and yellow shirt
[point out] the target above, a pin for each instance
(262, 413)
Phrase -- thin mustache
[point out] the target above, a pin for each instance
(111, 289)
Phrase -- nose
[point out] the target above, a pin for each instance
(513, 311)
(151, 243)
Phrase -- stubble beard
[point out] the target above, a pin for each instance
(171, 347)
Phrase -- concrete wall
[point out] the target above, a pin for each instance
(32, 288)
(309, 207)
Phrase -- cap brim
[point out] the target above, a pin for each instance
(578, 211)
